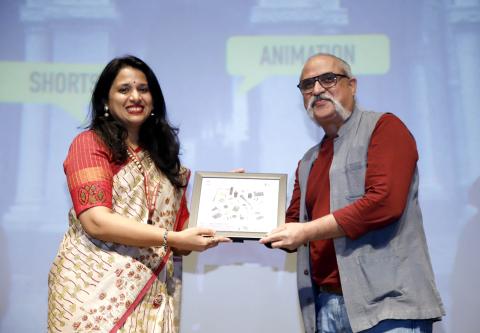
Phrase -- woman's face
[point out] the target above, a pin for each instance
(129, 99)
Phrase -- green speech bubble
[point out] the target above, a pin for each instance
(68, 86)
(258, 57)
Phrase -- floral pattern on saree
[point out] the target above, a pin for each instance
(93, 283)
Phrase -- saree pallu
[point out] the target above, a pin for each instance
(97, 286)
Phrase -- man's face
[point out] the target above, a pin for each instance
(323, 111)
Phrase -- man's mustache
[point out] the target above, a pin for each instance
(327, 97)
(320, 97)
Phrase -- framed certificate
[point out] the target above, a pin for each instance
(238, 205)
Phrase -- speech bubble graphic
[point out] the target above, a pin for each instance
(68, 86)
(257, 57)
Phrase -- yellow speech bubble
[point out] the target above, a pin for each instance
(257, 57)
(68, 86)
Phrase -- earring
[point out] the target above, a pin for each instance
(106, 114)
(152, 114)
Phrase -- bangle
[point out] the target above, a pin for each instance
(165, 236)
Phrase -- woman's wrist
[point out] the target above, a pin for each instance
(165, 239)
(171, 238)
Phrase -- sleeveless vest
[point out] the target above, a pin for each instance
(386, 273)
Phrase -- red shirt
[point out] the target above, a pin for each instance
(391, 162)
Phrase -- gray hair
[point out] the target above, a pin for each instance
(345, 65)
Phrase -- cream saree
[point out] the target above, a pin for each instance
(97, 286)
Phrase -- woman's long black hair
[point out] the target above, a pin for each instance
(156, 135)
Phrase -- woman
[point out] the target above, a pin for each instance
(114, 270)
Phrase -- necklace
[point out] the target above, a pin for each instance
(151, 197)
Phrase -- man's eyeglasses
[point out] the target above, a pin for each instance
(326, 80)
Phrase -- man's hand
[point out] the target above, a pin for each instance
(288, 236)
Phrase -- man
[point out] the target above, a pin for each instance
(362, 259)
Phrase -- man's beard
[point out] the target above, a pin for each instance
(339, 109)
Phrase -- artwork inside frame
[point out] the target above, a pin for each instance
(238, 205)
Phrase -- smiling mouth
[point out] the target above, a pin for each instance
(135, 109)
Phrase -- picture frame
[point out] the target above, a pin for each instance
(238, 205)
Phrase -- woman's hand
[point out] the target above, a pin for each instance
(195, 239)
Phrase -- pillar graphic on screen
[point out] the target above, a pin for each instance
(49, 38)
(40, 189)
(464, 41)
(312, 18)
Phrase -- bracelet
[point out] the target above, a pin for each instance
(165, 236)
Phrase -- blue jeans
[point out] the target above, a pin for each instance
(332, 318)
